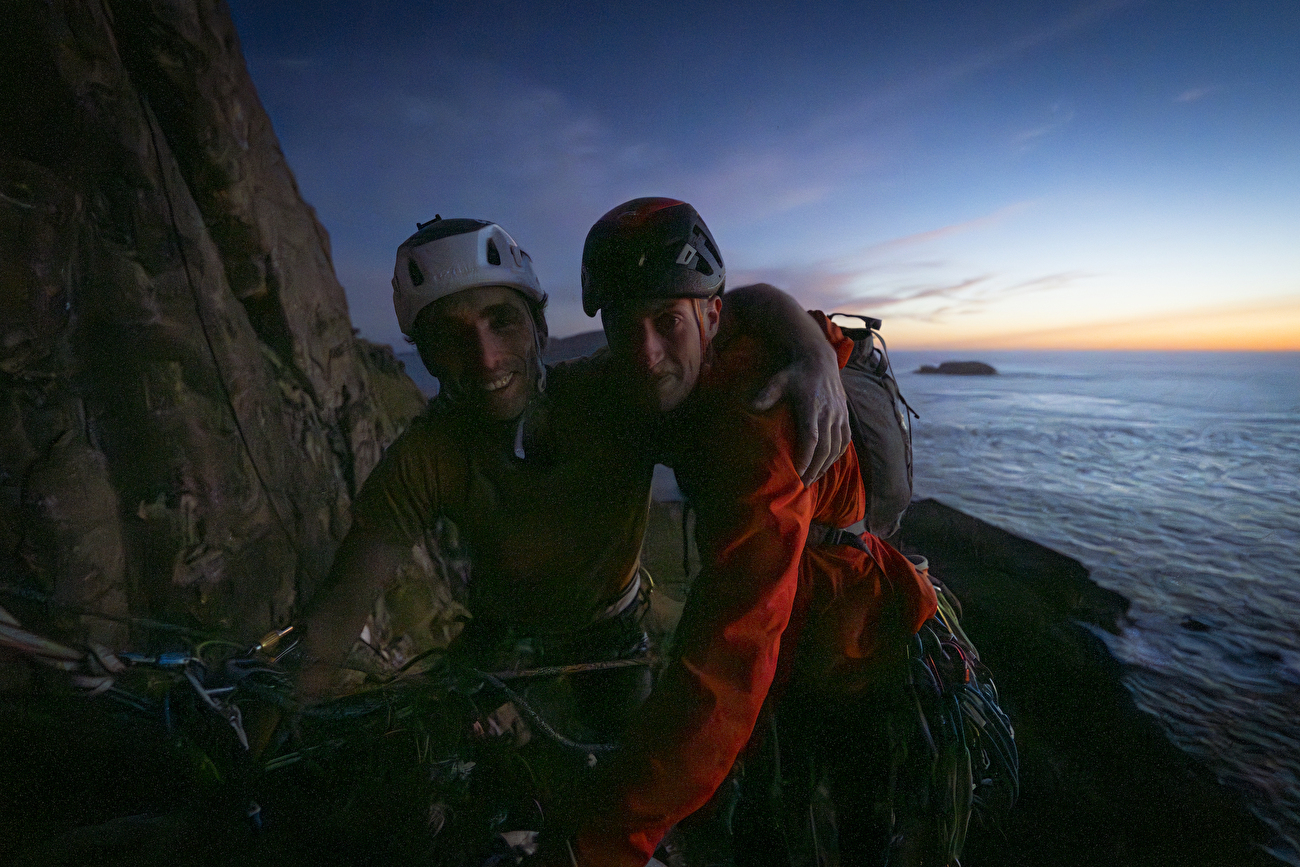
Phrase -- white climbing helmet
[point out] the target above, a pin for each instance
(447, 256)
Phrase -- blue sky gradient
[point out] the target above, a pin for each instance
(1014, 174)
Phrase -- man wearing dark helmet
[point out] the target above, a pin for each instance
(766, 586)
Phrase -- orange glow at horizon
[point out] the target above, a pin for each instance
(1270, 326)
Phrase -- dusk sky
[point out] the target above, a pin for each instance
(977, 174)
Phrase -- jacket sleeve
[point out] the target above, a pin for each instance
(753, 515)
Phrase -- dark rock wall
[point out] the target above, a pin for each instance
(184, 410)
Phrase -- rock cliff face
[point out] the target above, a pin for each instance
(184, 410)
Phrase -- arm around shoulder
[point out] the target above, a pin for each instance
(776, 319)
(808, 377)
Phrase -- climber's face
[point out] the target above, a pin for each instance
(662, 343)
(483, 347)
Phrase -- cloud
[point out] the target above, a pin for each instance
(809, 165)
(819, 285)
(922, 289)
(745, 185)
(929, 235)
(446, 132)
(937, 302)
(384, 138)
(958, 293)
(813, 162)
(941, 77)
(531, 157)
(1198, 93)
(1060, 117)
(903, 291)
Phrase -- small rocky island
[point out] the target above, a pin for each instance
(959, 368)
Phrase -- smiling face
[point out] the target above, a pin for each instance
(663, 343)
(482, 346)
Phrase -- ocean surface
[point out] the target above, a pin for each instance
(1175, 478)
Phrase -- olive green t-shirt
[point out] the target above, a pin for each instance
(553, 538)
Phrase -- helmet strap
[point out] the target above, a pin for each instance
(540, 374)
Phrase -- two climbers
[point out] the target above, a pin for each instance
(545, 474)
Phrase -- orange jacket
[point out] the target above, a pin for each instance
(758, 586)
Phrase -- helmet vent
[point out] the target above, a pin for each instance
(708, 244)
(417, 276)
(493, 255)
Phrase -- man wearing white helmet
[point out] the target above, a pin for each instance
(554, 544)
(441, 261)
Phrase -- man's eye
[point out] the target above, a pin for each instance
(505, 319)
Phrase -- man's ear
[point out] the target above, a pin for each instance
(711, 315)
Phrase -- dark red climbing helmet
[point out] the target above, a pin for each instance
(649, 248)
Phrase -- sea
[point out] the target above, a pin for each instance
(1174, 477)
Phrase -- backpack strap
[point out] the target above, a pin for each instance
(824, 534)
(857, 529)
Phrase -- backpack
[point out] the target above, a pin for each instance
(882, 434)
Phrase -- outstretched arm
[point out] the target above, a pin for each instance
(809, 374)
(363, 568)
(388, 515)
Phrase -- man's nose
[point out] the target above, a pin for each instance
(491, 349)
(649, 345)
